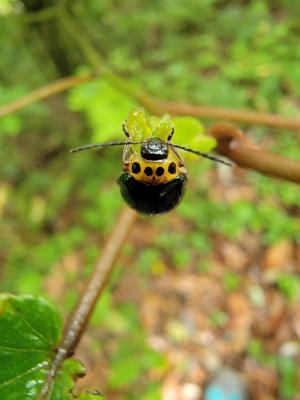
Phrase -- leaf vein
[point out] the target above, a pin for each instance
(23, 349)
(40, 336)
(22, 374)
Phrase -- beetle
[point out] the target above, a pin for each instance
(154, 175)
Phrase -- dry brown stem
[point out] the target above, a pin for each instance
(229, 114)
(239, 150)
(155, 105)
(43, 92)
(234, 145)
(87, 302)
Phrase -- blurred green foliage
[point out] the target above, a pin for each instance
(53, 205)
(286, 366)
(289, 284)
(288, 370)
(104, 107)
(231, 281)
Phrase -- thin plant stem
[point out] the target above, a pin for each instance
(156, 106)
(43, 92)
(98, 281)
(229, 114)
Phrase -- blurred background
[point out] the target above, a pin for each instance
(215, 282)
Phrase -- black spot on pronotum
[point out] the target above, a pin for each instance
(135, 168)
(148, 171)
(172, 168)
(160, 171)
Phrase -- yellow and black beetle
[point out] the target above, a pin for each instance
(154, 177)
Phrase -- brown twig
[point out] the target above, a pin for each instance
(43, 92)
(234, 145)
(155, 105)
(229, 114)
(95, 60)
(242, 152)
(96, 285)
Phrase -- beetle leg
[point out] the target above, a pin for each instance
(171, 134)
(179, 156)
(125, 157)
(125, 130)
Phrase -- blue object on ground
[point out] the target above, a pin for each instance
(227, 384)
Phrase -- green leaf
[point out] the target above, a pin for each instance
(138, 125)
(163, 127)
(104, 106)
(30, 329)
(64, 382)
(190, 132)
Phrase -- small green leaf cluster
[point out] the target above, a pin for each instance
(197, 52)
(105, 107)
(30, 329)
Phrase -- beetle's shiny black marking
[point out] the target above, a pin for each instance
(152, 199)
(136, 168)
(159, 171)
(172, 168)
(148, 171)
(154, 149)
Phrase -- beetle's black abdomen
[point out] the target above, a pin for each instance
(154, 149)
(152, 199)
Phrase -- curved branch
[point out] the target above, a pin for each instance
(154, 105)
(233, 144)
(43, 92)
(93, 57)
(242, 151)
(229, 114)
(103, 269)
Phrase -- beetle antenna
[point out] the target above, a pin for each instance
(200, 153)
(104, 144)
